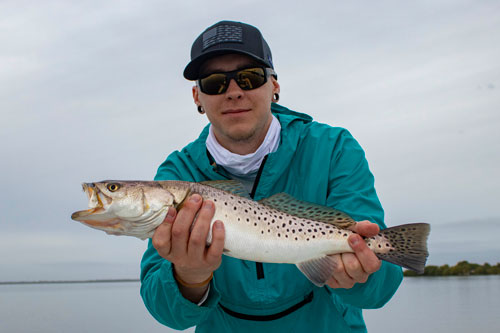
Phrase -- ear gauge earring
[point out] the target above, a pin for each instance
(200, 110)
(276, 97)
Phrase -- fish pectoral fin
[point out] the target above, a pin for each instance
(231, 186)
(318, 270)
(308, 210)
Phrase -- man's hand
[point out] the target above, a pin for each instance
(185, 246)
(352, 268)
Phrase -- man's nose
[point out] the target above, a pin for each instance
(233, 90)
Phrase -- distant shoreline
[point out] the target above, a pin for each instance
(462, 268)
(68, 281)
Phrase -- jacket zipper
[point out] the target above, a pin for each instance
(258, 265)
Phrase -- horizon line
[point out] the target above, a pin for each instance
(68, 281)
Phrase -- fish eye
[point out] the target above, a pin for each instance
(113, 187)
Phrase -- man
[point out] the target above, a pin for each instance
(270, 149)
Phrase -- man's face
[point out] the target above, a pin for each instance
(240, 118)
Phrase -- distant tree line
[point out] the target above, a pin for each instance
(462, 268)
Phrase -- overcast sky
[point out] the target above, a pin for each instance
(93, 90)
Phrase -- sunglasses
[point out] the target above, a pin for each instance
(246, 79)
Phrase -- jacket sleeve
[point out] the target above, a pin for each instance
(351, 189)
(159, 290)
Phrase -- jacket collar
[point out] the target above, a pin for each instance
(289, 139)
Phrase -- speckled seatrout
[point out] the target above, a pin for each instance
(278, 229)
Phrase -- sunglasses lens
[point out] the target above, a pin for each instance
(247, 79)
(214, 84)
(251, 78)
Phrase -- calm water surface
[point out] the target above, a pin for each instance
(451, 304)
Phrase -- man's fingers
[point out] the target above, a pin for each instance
(198, 237)
(340, 277)
(162, 237)
(366, 258)
(353, 268)
(182, 224)
(366, 228)
(214, 252)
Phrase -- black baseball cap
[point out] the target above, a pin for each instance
(228, 37)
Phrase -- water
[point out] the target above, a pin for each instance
(440, 304)
(451, 304)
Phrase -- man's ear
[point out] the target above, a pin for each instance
(276, 86)
(196, 96)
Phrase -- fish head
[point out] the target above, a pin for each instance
(132, 208)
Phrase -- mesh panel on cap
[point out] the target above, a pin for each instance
(224, 33)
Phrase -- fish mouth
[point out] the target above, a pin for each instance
(96, 216)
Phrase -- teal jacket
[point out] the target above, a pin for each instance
(314, 162)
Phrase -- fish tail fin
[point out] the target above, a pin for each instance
(408, 246)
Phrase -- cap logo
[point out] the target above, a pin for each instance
(223, 33)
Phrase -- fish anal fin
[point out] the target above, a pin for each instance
(307, 210)
(231, 186)
(318, 270)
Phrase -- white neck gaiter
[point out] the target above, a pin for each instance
(244, 165)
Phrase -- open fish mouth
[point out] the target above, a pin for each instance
(96, 215)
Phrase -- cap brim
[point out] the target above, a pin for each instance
(192, 70)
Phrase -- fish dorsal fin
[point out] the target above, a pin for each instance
(307, 210)
(318, 270)
(232, 186)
